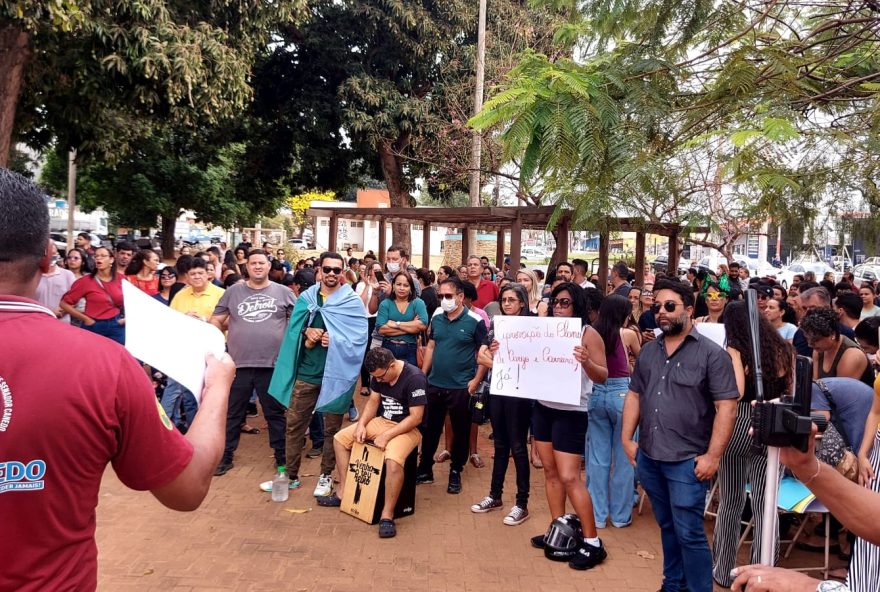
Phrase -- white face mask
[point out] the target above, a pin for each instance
(393, 267)
(448, 305)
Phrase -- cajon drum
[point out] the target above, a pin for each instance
(364, 495)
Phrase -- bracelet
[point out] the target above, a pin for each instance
(818, 468)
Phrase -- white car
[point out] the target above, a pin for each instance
(533, 253)
(298, 243)
(865, 272)
(800, 268)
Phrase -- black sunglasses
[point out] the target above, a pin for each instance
(447, 296)
(668, 306)
(560, 302)
(334, 270)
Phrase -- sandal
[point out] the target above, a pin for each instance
(442, 456)
(387, 529)
(246, 429)
(477, 461)
(365, 392)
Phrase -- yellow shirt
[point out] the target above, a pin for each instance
(202, 304)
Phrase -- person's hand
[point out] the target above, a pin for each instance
(121, 321)
(385, 286)
(89, 321)
(648, 335)
(472, 385)
(631, 447)
(866, 472)
(325, 339)
(314, 335)
(706, 466)
(218, 373)
(381, 441)
(59, 313)
(581, 354)
(800, 463)
(493, 348)
(763, 578)
(360, 433)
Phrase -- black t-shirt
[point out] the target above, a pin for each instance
(408, 391)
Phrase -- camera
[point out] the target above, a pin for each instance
(788, 422)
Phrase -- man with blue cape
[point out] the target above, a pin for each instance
(319, 363)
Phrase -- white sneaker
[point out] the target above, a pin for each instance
(324, 487)
(516, 516)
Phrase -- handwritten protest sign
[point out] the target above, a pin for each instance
(535, 359)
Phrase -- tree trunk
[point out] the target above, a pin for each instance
(398, 189)
(168, 225)
(15, 51)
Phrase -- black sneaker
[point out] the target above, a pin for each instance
(454, 482)
(588, 556)
(538, 542)
(424, 478)
(223, 468)
(329, 501)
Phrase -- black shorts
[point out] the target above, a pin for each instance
(566, 430)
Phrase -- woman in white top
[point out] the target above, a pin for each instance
(869, 309)
(365, 287)
(775, 311)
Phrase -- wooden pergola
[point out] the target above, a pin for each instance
(501, 220)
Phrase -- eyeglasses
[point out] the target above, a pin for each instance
(560, 302)
(510, 301)
(647, 293)
(716, 296)
(762, 296)
(379, 378)
(668, 306)
(447, 296)
(333, 270)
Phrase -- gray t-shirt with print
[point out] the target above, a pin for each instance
(257, 322)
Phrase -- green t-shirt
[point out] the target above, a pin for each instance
(312, 361)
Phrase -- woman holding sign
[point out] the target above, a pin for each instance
(560, 431)
(510, 418)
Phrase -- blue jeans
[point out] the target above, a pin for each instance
(677, 499)
(401, 351)
(170, 402)
(109, 328)
(607, 465)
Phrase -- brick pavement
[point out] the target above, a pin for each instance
(240, 540)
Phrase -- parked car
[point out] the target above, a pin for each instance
(661, 263)
(865, 272)
(60, 242)
(801, 267)
(533, 253)
(298, 243)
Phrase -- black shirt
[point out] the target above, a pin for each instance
(677, 395)
(408, 391)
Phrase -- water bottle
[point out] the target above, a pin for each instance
(280, 485)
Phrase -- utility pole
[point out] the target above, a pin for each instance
(71, 196)
(476, 139)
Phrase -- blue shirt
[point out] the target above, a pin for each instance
(388, 311)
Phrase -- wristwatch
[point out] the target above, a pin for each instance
(831, 586)
(397, 324)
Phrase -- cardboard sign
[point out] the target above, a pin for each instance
(364, 495)
(535, 359)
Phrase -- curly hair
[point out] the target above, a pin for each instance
(820, 322)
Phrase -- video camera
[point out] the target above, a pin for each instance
(786, 421)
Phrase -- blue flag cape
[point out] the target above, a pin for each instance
(346, 321)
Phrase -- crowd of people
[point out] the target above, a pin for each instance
(667, 408)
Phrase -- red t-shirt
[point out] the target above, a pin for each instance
(103, 299)
(150, 286)
(58, 431)
(487, 291)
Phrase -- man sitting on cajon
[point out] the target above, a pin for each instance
(390, 419)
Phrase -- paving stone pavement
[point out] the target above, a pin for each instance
(240, 540)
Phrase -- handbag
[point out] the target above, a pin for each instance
(479, 404)
(832, 450)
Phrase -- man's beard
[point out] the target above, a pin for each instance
(675, 327)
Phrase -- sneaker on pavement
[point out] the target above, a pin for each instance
(267, 485)
(329, 501)
(454, 482)
(539, 542)
(223, 468)
(315, 451)
(324, 487)
(424, 478)
(353, 414)
(516, 516)
(487, 504)
(588, 556)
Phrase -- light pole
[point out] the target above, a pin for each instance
(476, 139)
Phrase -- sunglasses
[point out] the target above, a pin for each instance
(560, 302)
(168, 276)
(716, 295)
(446, 296)
(333, 270)
(668, 306)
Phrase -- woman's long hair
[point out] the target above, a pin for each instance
(776, 352)
(580, 308)
(534, 295)
(612, 315)
(137, 262)
(521, 295)
(86, 267)
(412, 286)
(94, 273)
